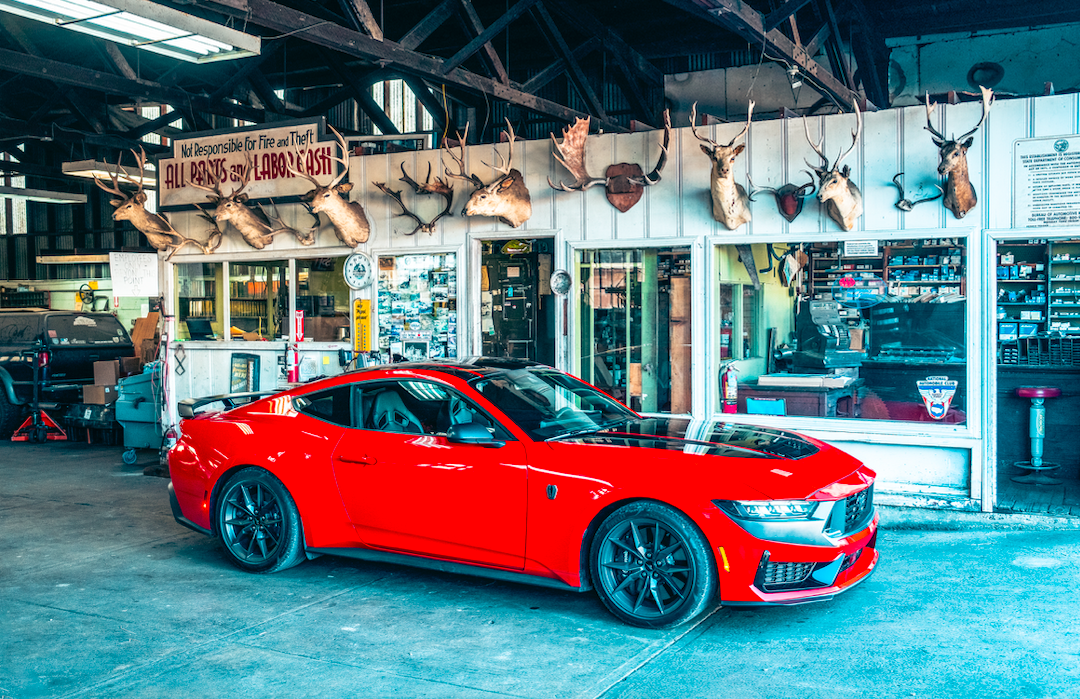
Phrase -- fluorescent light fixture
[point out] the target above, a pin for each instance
(144, 25)
(104, 171)
(42, 195)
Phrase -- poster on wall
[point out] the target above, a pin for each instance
(1046, 182)
(417, 306)
(134, 273)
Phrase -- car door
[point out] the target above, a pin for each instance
(407, 488)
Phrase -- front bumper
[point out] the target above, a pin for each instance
(758, 572)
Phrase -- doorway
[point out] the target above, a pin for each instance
(517, 306)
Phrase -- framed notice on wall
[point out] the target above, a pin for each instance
(1046, 182)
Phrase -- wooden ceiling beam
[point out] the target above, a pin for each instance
(777, 16)
(484, 37)
(738, 17)
(427, 26)
(559, 46)
(274, 16)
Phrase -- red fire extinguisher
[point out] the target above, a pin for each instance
(729, 389)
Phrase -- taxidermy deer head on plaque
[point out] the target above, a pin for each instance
(789, 198)
(959, 194)
(256, 227)
(506, 198)
(158, 231)
(348, 217)
(842, 199)
(428, 187)
(730, 203)
(624, 183)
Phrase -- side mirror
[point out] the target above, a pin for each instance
(472, 433)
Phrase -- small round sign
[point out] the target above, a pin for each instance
(358, 270)
(560, 281)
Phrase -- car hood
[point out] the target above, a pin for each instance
(777, 463)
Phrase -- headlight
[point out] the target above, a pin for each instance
(768, 510)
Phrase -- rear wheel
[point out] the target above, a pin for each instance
(258, 523)
(652, 567)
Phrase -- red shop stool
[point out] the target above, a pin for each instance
(1037, 430)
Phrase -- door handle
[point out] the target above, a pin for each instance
(365, 459)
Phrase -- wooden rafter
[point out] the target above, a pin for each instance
(777, 16)
(425, 27)
(559, 46)
(737, 16)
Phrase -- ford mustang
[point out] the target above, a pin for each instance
(517, 471)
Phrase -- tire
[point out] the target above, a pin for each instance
(630, 582)
(258, 523)
(10, 415)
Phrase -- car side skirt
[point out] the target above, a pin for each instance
(178, 514)
(446, 567)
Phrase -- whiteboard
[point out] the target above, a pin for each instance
(134, 273)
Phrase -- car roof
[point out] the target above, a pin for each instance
(464, 369)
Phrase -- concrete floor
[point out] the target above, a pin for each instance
(102, 594)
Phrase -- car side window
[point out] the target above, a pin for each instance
(418, 407)
(333, 405)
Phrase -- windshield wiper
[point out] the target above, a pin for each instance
(589, 430)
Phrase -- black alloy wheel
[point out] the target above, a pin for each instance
(258, 523)
(652, 567)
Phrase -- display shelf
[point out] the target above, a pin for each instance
(1063, 257)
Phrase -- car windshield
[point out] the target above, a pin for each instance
(549, 404)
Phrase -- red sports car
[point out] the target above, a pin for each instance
(520, 472)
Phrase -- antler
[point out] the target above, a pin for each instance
(987, 102)
(654, 176)
(216, 189)
(938, 136)
(905, 204)
(693, 127)
(439, 187)
(504, 165)
(460, 160)
(572, 150)
(854, 134)
(755, 190)
(115, 189)
(396, 196)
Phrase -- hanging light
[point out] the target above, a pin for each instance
(144, 25)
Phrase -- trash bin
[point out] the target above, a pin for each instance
(138, 410)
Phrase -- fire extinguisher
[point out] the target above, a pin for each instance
(292, 364)
(729, 389)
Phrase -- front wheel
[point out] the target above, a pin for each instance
(258, 523)
(652, 567)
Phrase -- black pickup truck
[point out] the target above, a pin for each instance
(66, 345)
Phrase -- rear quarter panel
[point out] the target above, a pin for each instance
(295, 448)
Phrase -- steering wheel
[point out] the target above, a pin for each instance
(86, 295)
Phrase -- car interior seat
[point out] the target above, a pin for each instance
(389, 414)
(453, 411)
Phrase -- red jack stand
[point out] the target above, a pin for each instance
(39, 427)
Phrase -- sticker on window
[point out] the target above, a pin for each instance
(937, 393)
(83, 320)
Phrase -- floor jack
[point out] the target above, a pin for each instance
(39, 427)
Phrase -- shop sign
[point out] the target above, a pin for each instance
(937, 393)
(1046, 177)
(224, 156)
(362, 325)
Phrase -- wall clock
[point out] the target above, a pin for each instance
(358, 270)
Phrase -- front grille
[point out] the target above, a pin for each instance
(783, 575)
(857, 507)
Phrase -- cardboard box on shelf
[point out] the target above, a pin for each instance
(99, 395)
(107, 373)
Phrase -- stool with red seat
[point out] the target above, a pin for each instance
(1037, 429)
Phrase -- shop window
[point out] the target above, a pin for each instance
(874, 330)
(198, 300)
(259, 300)
(417, 306)
(323, 297)
(635, 326)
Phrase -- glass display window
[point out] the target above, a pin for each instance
(199, 300)
(635, 325)
(323, 297)
(259, 300)
(870, 330)
(417, 306)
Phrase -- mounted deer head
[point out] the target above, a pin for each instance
(730, 204)
(256, 226)
(624, 182)
(506, 198)
(132, 207)
(789, 198)
(959, 194)
(439, 187)
(842, 199)
(906, 204)
(348, 217)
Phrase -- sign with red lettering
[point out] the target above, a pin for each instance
(224, 156)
